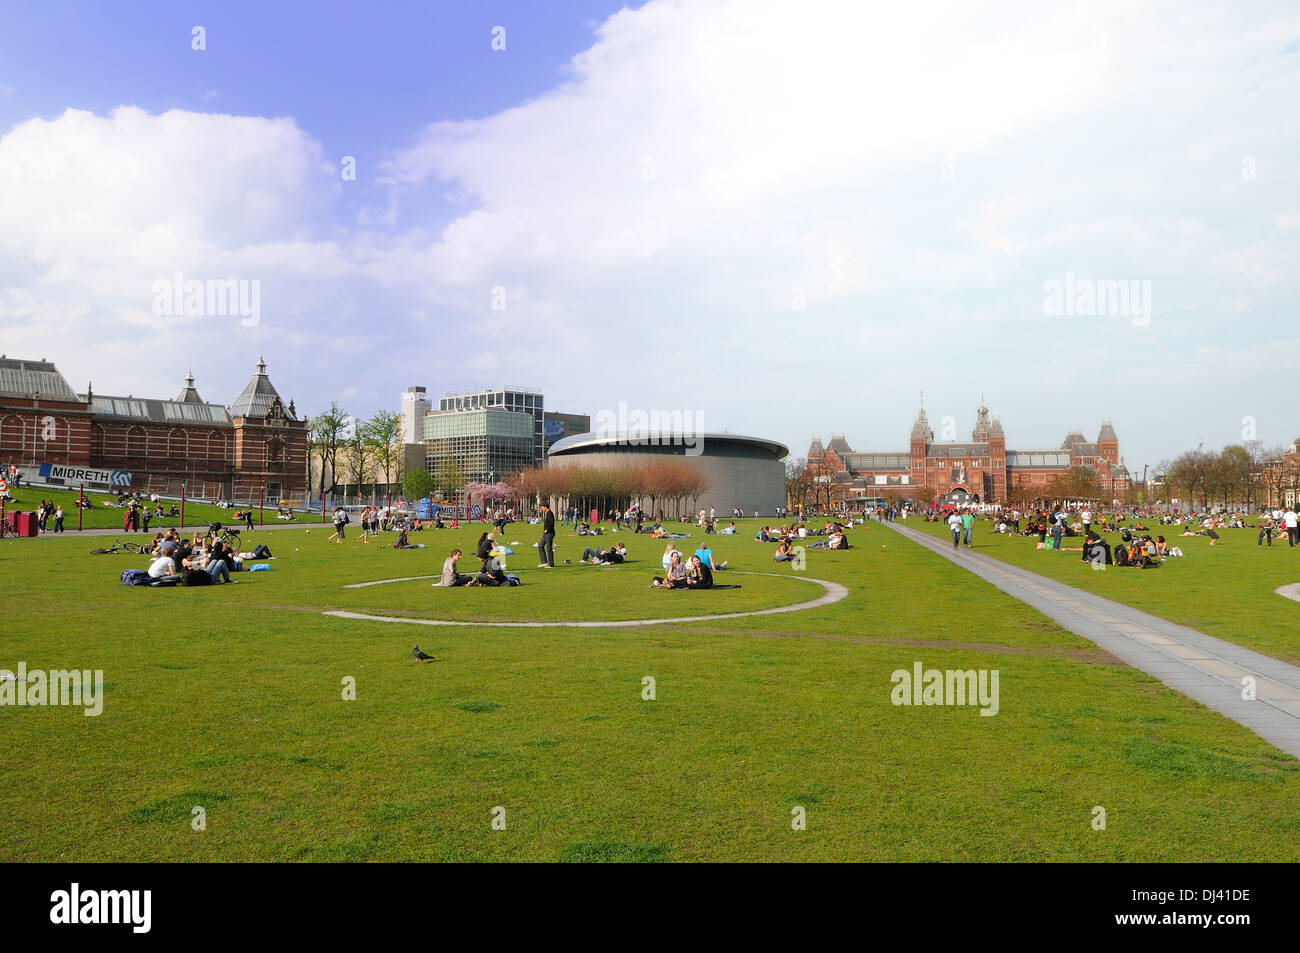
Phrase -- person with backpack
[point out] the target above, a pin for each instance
(340, 521)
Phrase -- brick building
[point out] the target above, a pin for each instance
(213, 451)
(979, 470)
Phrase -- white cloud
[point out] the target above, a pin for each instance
(918, 173)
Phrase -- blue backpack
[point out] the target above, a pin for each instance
(135, 577)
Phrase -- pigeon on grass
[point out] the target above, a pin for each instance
(420, 656)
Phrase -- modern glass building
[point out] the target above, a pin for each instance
(490, 443)
(517, 399)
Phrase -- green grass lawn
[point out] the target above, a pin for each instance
(230, 698)
(27, 498)
(1225, 590)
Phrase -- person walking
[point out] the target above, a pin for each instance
(1058, 529)
(1087, 521)
(1265, 530)
(1292, 524)
(967, 527)
(248, 518)
(954, 525)
(546, 548)
(58, 518)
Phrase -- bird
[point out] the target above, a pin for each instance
(420, 656)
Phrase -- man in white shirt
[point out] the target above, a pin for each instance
(1086, 515)
(1292, 523)
(162, 566)
(954, 525)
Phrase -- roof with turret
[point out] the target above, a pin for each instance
(921, 429)
(257, 397)
(188, 394)
(1107, 433)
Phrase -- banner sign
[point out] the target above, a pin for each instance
(58, 471)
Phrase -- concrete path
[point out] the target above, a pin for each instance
(832, 592)
(1291, 591)
(1202, 667)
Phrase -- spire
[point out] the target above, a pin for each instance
(921, 429)
(980, 434)
(188, 394)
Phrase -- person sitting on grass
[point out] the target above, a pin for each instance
(450, 574)
(676, 574)
(784, 552)
(705, 556)
(700, 575)
(162, 566)
(492, 574)
(403, 542)
(1096, 549)
(668, 555)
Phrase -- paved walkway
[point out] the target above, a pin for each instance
(1291, 591)
(188, 528)
(1200, 666)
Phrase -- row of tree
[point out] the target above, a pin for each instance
(1246, 474)
(357, 450)
(652, 484)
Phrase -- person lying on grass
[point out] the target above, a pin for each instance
(605, 557)
(676, 575)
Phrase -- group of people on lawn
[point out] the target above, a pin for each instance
(679, 573)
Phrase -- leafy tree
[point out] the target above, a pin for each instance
(380, 434)
(326, 433)
(358, 453)
(449, 477)
(417, 484)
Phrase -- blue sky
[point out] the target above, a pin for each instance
(789, 218)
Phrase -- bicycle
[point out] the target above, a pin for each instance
(133, 549)
(227, 535)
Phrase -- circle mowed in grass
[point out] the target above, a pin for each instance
(575, 593)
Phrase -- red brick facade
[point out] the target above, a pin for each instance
(981, 469)
(213, 452)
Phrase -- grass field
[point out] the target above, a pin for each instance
(1225, 590)
(231, 698)
(102, 516)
